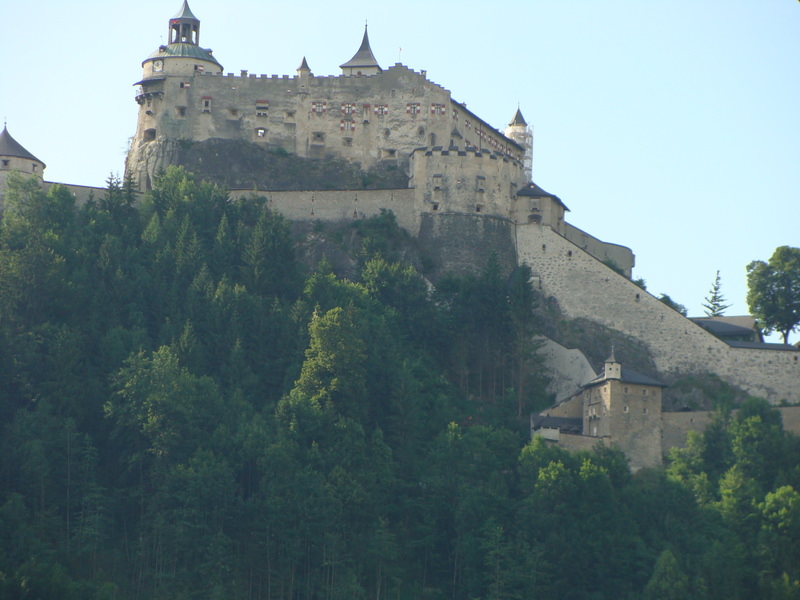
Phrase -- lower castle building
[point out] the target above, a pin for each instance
(623, 408)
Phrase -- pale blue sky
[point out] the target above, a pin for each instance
(669, 127)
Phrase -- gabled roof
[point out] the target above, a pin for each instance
(534, 191)
(518, 119)
(628, 376)
(185, 12)
(11, 147)
(364, 57)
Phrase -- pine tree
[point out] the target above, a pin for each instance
(715, 302)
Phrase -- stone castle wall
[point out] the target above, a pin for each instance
(366, 120)
(465, 181)
(677, 425)
(587, 288)
(619, 256)
(334, 205)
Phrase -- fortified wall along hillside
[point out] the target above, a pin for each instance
(462, 187)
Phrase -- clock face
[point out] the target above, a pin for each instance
(158, 65)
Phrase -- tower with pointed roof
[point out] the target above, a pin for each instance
(183, 54)
(14, 158)
(363, 61)
(519, 131)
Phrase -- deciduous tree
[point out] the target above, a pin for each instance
(773, 294)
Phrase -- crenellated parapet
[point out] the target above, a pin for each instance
(469, 181)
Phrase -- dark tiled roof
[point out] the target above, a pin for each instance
(534, 191)
(185, 12)
(518, 119)
(762, 345)
(722, 328)
(303, 65)
(11, 147)
(628, 376)
(364, 56)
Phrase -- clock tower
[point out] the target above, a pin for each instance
(169, 105)
(183, 55)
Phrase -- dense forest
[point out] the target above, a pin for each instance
(189, 410)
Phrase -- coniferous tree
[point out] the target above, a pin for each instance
(715, 302)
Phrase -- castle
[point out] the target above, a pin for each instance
(469, 192)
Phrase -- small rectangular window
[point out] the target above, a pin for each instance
(5, 162)
(261, 132)
(262, 108)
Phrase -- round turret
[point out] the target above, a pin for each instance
(183, 55)
(14, 158)
(519, 131)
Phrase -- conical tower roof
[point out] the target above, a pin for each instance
(185, 12)
(11, 147)
(364, 57)
(518, 119)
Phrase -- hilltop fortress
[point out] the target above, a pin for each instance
(466, 190)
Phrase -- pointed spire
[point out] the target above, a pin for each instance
(185, 12)
(612, 368)
(184, 27)
(612, 358)
(518, 119)
(363, 62)
(303, 66)
(11, 147)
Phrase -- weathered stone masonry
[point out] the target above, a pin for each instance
(585, 287)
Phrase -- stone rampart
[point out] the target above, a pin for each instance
(576, 443)
(465, 181)
(675, 427)
(620, 256)
(335, 206)
(585, 287)
(465, 243)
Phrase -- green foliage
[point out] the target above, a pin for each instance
(773, 291)
(668, 582)
(672, 304)
(715, 302)
(185, 412)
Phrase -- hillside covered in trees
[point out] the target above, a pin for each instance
(192, 408)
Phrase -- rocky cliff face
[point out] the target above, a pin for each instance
(236, 164)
